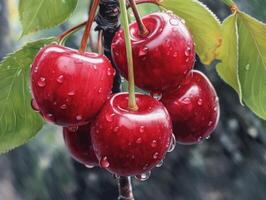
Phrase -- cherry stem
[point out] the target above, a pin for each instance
(64, 35)
(86, 34)
(157, 2)
(132, 105)
(125, 188)
(100, 42)
(142, 28)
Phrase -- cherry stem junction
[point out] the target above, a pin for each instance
(132, 105)
(142, 28)
(85, 37)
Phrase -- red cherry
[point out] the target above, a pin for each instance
(193, 107)
(129, 143)
(78, 142)
(162, 58)
(68, 87)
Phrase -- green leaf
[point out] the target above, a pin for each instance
(252, 62)
(18, 122)
(36, 15)
(203, 24)
(228, 54)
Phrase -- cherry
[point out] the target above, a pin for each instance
(127, 142)
(193, 107)
(162, 58)
(65, 84)
(78, 142)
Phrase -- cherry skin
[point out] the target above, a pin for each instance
(78, 142)
(129, 143)
(193, 107)
(162, 58)
(70, 88)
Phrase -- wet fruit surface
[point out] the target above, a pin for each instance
(70, 88)
(129, 143)
(193, 107)
(78, 142)
(162, 58)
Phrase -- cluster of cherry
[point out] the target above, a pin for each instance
(73, 90)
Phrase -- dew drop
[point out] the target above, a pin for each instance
(172, 144)
(215, 108)
(34, 105)
(109, 72)
(141, 129)
(187, 60)
(187, 51)
(63, 107)
(143, 177)
(200, 139)
(208, 137)
(186, 101)
(174, 21)
(155, 155)
(100, 90)
(210, 123)
(156, 95)
(89, 166)
(95, 67)
(200, 102)
(116, 129)
(109, 117)
(159, 164)
(144, 51)
(154, 143)
(42, 82)
(139, 141)
(79, 117)
(71, 93)
(104, 163)
(60, 79)
(183, 21)
(247, 67)
(175, 54)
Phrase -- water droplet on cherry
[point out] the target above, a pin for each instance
(155, 155)
(143, 177)
(116, 129)
(186, 101)
(144, 51)
(89, 166)
(60, 79)
(154, 143)
(104, 163)
(172, 144)
(174, 21)
(109, 117)
(200, 102)
(139, 141)
(159, 164)
(141, 129)
(42, 82)
(72, 93)
(79, 117)
(63, 107)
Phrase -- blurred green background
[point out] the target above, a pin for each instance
(231, 165)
